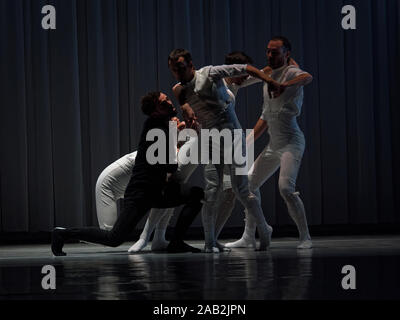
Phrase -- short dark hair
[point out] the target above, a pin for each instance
(150, 102)
(238, 57)
(177, 53)
(285, 41)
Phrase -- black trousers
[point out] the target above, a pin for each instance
(137, 203)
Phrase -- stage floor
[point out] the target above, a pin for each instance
(96, 272)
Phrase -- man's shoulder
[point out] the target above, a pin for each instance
(293, 70)
(204, 70)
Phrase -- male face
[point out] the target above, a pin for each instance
(181, 69)
(277, 54)
(165, 108)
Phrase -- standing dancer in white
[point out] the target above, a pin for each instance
(226, 197)
(203, 96)
(286, 145)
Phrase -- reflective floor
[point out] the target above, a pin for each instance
(97, 272)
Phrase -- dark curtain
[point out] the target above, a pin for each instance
(70, 99)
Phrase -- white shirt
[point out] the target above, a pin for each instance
(281, 112)
(208, 95)
(290, 102)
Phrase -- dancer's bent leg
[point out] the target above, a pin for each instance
(263, 168)
(159, 242)
(287, 184)
(155, 217)
(213, 174)
(132, 213)
(192, 199)
(225, 205)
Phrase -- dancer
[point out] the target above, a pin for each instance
(286, 145)
(204, 97)
(148, 188)
(111, 186)
(226, 196)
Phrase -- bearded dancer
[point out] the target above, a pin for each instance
(148, 188)
(203, 97)
(110, 187)
(286, 145)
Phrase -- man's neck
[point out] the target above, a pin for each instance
(189, 78)
(280, 67)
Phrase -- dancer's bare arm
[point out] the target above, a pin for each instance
(234, 70)
(300, 80)
(187, 111)
(273, 86)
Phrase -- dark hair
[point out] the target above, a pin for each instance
(238, 57)
(285, 41)
(177, 53)
(150, 102)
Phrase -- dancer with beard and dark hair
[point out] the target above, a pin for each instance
(148, 188)
(110, 187)
(286, 144)
(204, 99)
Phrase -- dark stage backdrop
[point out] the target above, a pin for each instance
(70, 99)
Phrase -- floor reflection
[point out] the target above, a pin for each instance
(243, 274)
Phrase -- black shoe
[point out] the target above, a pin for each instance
(57, 241)
(180, 246)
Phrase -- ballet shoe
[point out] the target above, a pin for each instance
(223, 248)
(138, 246)
(242, 243)
(211, 249)
(305, 244)
(266, 242)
